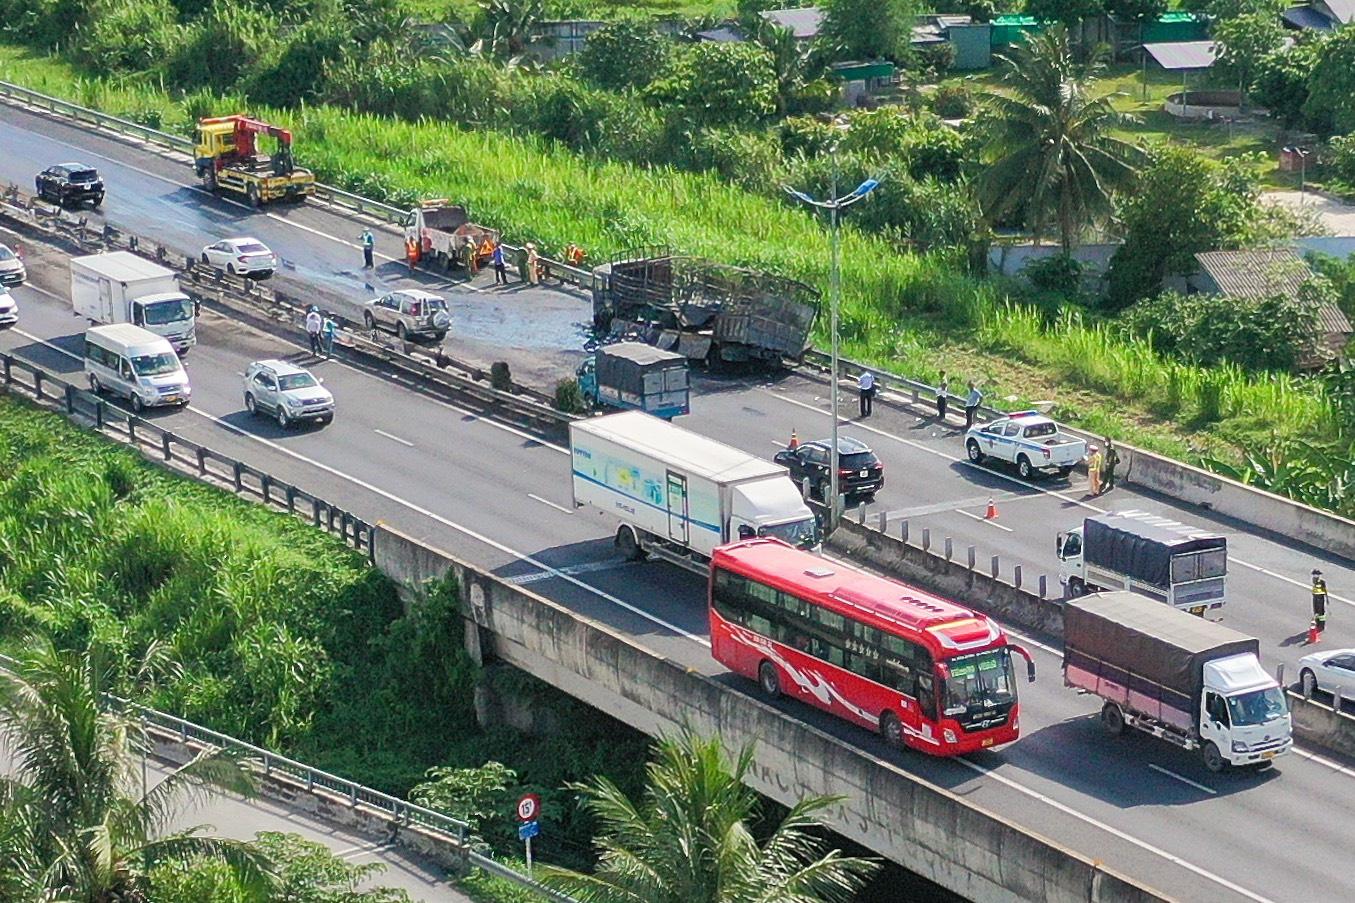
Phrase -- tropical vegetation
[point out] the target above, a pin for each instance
(690, 838)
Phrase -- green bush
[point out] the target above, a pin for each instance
(228, 41)
(129, 35)
(1057, 273)
(625, 54)
(953, 101)
(568, 398)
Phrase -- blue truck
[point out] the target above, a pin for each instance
(636, 376)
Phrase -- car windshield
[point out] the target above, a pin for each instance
(251, 247)
(155, 364)
(979, 680)
(296, 381)
(6, 253)
(857, 460)
(1256, 707)
(803, 534)
(162, 313)
(84, 175)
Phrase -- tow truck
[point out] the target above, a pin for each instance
(227, 158)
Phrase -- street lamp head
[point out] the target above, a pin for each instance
(865, 188)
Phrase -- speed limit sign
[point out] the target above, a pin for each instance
(528, 807)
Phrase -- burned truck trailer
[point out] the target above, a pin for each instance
(704, 310)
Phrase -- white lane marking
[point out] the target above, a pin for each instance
(1115, 832)
(1324, 762)
(548, 502)
(1184, 780)
(1040, 489)
(322, 234)
(365, 850)
(984, 520)
(336, 362)
(393, 437)
(591, 567)
(418, 509)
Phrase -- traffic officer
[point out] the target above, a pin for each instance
(368, 247)
(1319, 602)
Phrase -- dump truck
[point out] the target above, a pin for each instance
(677, 494)
(1194, 683)
(1154, 556)
(636, 376)
(120, 287)
(442, 229)
(227, 158)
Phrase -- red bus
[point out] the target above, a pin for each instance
(924, 672)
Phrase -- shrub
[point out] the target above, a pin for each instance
(228, 41)
(719, 84)
(953, 101)
(625, 54)
(1057, 273)
(129, 35)
(568, 398)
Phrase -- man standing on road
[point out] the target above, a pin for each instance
(1319, 602)
(368, 248)
(865, 388)
(500, 271)
(942, 397)
(314, 323)
(971, 404)
(327, 333)
(1110, 459)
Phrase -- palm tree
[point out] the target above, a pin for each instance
(77, 821)
(689, 840)
(1049, 152)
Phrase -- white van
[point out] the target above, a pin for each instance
(141, 366)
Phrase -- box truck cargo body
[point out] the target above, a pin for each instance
(677, 494)
(636, 376)
(1183, 566)
(1192, 682)
(120, 287)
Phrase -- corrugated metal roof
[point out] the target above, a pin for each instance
(1343, 10)
(1307, 17)
(1254, 273)
(803, 23)
(725, 34)
(1183, 54)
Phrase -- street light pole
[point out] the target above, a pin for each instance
(834, 206)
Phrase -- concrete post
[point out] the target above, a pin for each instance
(903, 532)
(994, 572)
(1279, 674)
(926, 538)
(1044, 590)
(860, 513)
(1337, 703)
(949, 548)
(202, 460)
(971, 558)
(884, 521)
(1016, 575)
(70, 399)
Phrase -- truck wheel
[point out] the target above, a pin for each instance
(629, 544)
(252, 194)
(768, 679)
(1112, 719)
(1076, 587)
(1213, 759)
(1023, 468)
(975, 453)
(209, 178)
(891, 729)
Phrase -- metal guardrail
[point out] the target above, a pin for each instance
(51, 390)
(920, 391)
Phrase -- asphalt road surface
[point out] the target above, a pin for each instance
(501, 498)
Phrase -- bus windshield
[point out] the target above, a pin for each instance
(801, 533)
(982, 680)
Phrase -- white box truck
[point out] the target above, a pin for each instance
(120, 287)
(1157, 557)
(677, 494)
(1183, 679)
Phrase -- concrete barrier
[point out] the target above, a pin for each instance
(919, 825)
(1321, 725)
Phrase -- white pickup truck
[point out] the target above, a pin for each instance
(1027, 439)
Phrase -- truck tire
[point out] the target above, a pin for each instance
(1213, 759)
(769, 680)
(209, 178)
(975, 453)
(1076, 587)
(629, 543)
(891, 729)
(1023, 468)
(1112, 719)
(253, 196)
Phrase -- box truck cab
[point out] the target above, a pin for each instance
(1191, 682)
(677, 494)
(1171, 562)
(140, 366)
(120, 287)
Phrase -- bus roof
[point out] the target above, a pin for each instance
(886, 604)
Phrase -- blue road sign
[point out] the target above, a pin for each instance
(529, 829)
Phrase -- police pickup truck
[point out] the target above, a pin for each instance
(1027, 439)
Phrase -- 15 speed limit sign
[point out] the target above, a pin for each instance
(529, 807)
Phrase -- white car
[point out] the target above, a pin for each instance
(290, 393)
(12, 270)
(241, 257)
(1328, 671)
(9, 309)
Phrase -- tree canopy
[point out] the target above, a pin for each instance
(868, 29)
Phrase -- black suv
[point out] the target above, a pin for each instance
(860, 473)
(71, 184)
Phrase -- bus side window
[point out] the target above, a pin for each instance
(926, 696)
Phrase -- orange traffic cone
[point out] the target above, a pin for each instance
(1313, 635)
(991, 513)
(794, 441)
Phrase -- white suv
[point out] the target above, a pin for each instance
(409, 313)
(9, 309)
(288, 392)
